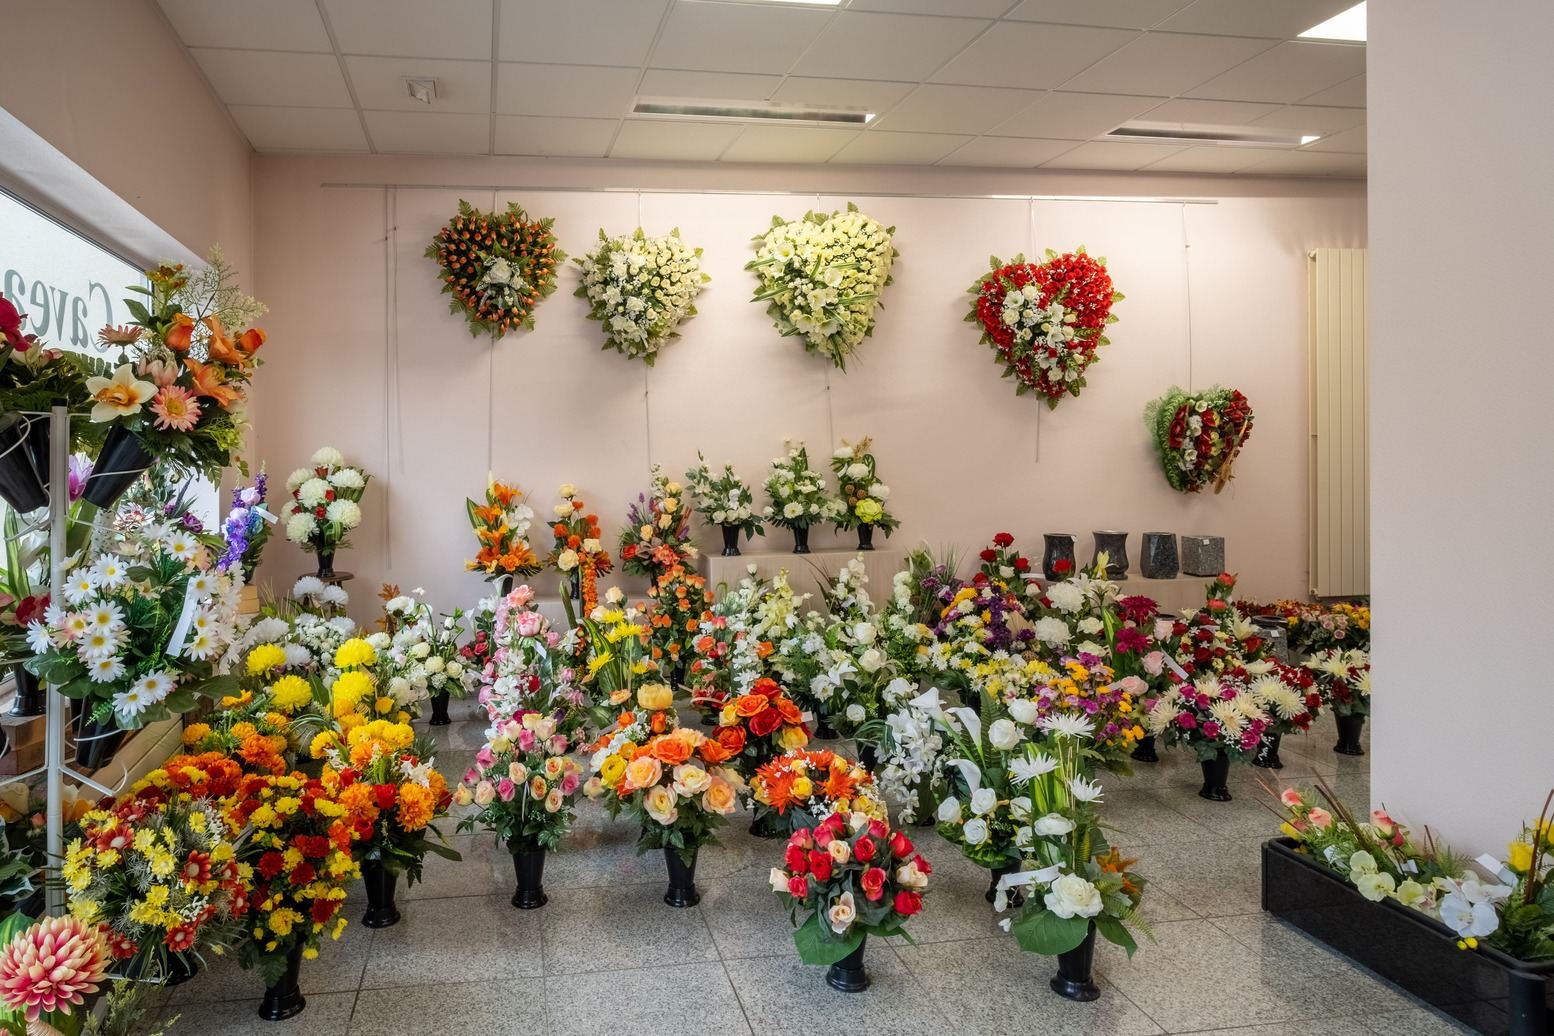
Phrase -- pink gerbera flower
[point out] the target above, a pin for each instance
(176, 409)
(52, 965)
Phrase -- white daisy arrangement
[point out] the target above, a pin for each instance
(143, 628)
(798, 493)
(325, 501)
(821, 278)
(641, 289)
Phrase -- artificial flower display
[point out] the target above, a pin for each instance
(1218, 716)
(527, 671)
(821, 278)
(1343, 679)
(47, 970)
(678, 603)
(246, 528)
(805, 785)
(845, 878)
(1217, 637)
(798, 494)
(33, 377)
(356, 695)
(142, 629)
(657, 535)
(255, 729)
(308, 627)
(1198, 435)
(1045, 321)
(424, 649)
(982, 814)
(641, 289)
(497, 266)
(501, 527)
(724, 500)
(729, 652)
(863, 495)
(325, 502)
(578, 553)
(613, 643)
(1315, 626)
(523, 783)
(760, 724)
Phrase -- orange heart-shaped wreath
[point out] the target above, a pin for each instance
(497, 266)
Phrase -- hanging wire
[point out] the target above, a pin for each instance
(1187, 280)
(1030, 253)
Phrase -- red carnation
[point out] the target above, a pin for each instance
(270, 864)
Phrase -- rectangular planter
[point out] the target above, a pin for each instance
(1484, 988)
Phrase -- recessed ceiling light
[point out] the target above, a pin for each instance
(423, 90)
(1310, 138)
(746, 112)
(1348, 26)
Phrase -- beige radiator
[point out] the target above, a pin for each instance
(1340, 425)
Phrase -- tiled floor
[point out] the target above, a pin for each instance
(606, 955)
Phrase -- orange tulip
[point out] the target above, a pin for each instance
(180, 334)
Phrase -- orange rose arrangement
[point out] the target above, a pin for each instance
(761, 724)
(804, 786)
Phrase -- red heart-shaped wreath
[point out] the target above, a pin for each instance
(497, 266)
(1045, 320)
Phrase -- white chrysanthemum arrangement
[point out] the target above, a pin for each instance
(325, 501)
(641, 288)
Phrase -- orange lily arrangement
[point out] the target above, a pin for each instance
(579, 552)
(501, 527)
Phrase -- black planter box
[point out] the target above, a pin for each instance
(1484, 988)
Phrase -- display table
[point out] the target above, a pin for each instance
(808, 573)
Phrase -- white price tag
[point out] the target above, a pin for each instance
(1177, 669)
(259, 509)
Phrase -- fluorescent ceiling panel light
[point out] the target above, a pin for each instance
(1347, 26)
(748, 112)
(801, 3)
(1204, 135)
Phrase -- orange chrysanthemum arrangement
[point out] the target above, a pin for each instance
(805, 786)
(501, 527)
(579, 553)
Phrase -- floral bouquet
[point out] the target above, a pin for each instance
(724, 500)
(863, 494)
(678, 603)
(308, 628)
(255, 729)
(835, 662)
(613, 644)
(979, 621)
(356, 695)
(982, 815)
(501, 527)
(146, 629)
(159, 869)
(641, 288)
(1087, 688)
(1290, 697)
(657, 536)
(425, 650)
(527, 672)
(1198, 435)
(821, 278)
(578, 553)
(523, 783)
(846, 878)
(806, 785)
(910, 748)
(47, 970)
(906, 620)
(1005, 566)
(1343, 679)
(798, 496)
(729, 655)
(1212, 715)
(1218, 637)
(760, 724)
(325, 502)
(1045, 321)
(496, 267)
(246, 528)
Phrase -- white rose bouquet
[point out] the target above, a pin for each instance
(821, 278)
(325, 502)
(798, 494)
(641, 288)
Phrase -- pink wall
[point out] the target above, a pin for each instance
(342, 269)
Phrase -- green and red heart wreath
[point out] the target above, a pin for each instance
(497, 266)
(1198, 435)
(1045, 320)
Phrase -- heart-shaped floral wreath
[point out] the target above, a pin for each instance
(821, 278)
(497, 266)
(1045, 320)
(1198, 434)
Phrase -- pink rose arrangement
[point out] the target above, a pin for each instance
(523, 783)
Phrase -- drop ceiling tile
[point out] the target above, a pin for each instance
(570, 90)
(932, 108)
(870, 95)
(881, 148)
(966, 8)
(583, 32)
(1309, 163)
(1286, 73)
(1281, 20)
(1125, 14)
(429, 133)
(1313, 119)
(571, 138)
(300, 129)
(787, 144)
(886, 46)
(1106, 154)
(1350, 141)
(1211, 160)
(1075, 116)
(716, 86)
(1348, 94)
(462, 86)
(1030, 55)
(1008, 152)
(717, 37)
(1209, 113)
(412, 28)
(267, 77)
(1164, 63)
(254, 25)
(678, 141)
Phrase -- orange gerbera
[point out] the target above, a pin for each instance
(751, 705)
(839, 781)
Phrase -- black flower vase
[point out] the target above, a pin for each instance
(1075, 979)
(575, 587)
(1057, 547)
(380, 882)
(1144, 751)
(529, 866)
(767, 823)
(730, 540)
(1115, 546)
(923, 809)
(180, 969)
(801, 539)
(848, 974)
(439, 710)
(824, 731)
(866, 536)
(326, 563)
(682, 879)
(30, 697)
(96, 742)
(283, 999)
(868, 756)
(1016, 897)
(507, 585)
(24, 462)
(1216, 772)
(1349, 728)
(121, 461)
(1267, 756)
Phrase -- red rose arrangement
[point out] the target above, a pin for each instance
(1198, 435)
(1045, 320)
(760, 724)
(847, 877)
(497, 266)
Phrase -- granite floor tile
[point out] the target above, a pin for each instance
(1214, 878)
(689, 999)
(1331, 979)
(337, 969)
(447, 940)
(990, 988)
(1418, 1021)
(1251, 813)
(1306, 1027)
(485, 869)
(746, 917)
(508, 1008)
(1145, 816)
(326, 1014)
(782, 995)
(626, 927)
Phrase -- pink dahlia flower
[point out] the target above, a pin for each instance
(52, 965)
